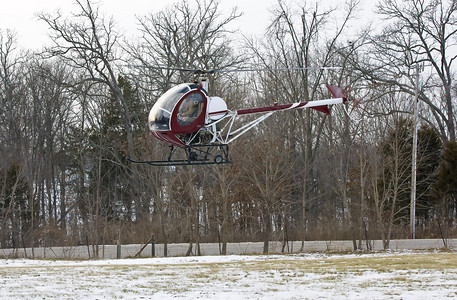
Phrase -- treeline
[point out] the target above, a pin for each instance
(71, 115)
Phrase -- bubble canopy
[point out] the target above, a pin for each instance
(160, 114)
(186, 101)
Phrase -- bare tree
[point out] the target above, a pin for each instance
(14, 185)
(11, 62)
(88, 42)
(268, 177)
(185, 36)
(298, 39)
(392, 187)
(417, 32)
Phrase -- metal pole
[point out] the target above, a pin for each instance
(414, 161)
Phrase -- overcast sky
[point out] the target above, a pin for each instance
(20, 15)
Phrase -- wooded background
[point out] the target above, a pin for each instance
(72, 114)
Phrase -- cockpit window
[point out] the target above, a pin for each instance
(160, 114)
(190, 108)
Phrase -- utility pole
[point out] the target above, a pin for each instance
(414, 161)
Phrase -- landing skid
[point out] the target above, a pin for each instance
(213, 154)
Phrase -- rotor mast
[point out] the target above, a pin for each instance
(201, 77)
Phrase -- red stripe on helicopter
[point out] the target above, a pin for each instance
(168, 137)
(270, 108)
(218, 112)
(322, 108)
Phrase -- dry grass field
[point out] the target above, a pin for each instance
(383, 275)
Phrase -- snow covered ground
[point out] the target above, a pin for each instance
(395, 275)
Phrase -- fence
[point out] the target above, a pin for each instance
(124, 251)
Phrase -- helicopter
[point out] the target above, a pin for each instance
(186, 117)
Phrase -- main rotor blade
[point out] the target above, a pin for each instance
(223, 70)
(166, 68)
(270, 69)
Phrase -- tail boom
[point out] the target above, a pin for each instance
(319, 105)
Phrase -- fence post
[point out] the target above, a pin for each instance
(153, 246)
(118, 252)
